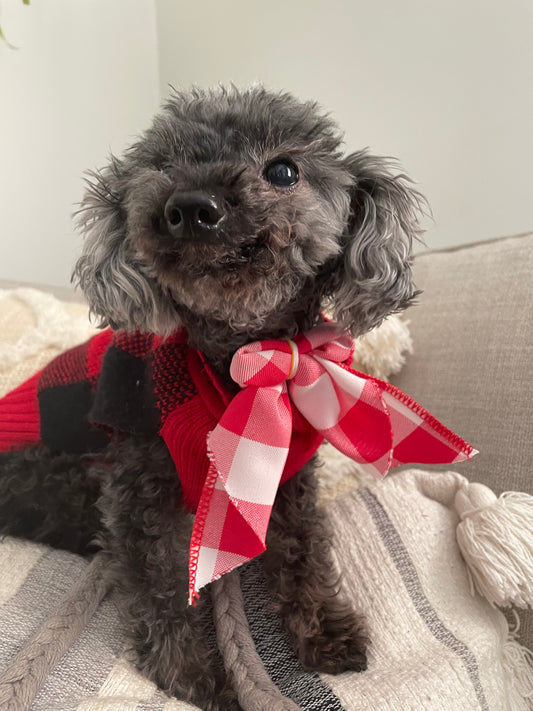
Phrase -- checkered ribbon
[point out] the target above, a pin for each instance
(371, 421)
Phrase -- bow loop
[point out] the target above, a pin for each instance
(327, 340)
(348, 409)
(262, 364)
(271, 362)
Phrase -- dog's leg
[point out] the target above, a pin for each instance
(148, 537)
(48, 497)
(327, 634)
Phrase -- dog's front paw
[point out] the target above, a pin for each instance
(339, 645)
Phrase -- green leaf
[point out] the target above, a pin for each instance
(3, 37)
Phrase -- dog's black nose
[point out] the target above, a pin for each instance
(193, 211)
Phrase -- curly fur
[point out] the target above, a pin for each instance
(340, 238)
(49, 497)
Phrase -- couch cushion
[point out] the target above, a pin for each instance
(473, 350)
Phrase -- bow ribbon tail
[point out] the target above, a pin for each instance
(247, 450)
(373, 422)
(418, 436)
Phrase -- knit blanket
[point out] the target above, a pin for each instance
(436, 644)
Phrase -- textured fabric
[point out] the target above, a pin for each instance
(134, 383)
(93, 675)
(309, 690)
(370, 421)
(471, 365)
(434, 646)
(20, 423)
(139, 384)
(34, 328)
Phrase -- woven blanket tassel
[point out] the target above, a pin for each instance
(495, 536)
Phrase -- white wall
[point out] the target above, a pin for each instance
(444, 85)
(82, 82)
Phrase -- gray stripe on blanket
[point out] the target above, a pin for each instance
(400, 556)
(306, 689)
(46, 583)
(50, 579)
(96, 651)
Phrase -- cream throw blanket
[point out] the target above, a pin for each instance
(434, 644)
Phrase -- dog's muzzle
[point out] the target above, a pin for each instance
(194, 213)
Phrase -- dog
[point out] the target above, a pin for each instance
(237, 216)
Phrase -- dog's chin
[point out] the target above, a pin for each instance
(211, 259)
(193, 261)
(236, 284)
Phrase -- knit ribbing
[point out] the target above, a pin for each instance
(19, 416)
(189, 424)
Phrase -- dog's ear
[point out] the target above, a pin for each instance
(116, 284)
(372, 277)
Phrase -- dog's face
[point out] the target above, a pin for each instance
(236, 205)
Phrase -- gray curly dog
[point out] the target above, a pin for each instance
(237, 215)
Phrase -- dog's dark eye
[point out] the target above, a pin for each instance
(281, 173)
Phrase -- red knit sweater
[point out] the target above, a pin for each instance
(137, 384)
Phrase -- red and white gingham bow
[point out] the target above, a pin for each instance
(371, 421)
